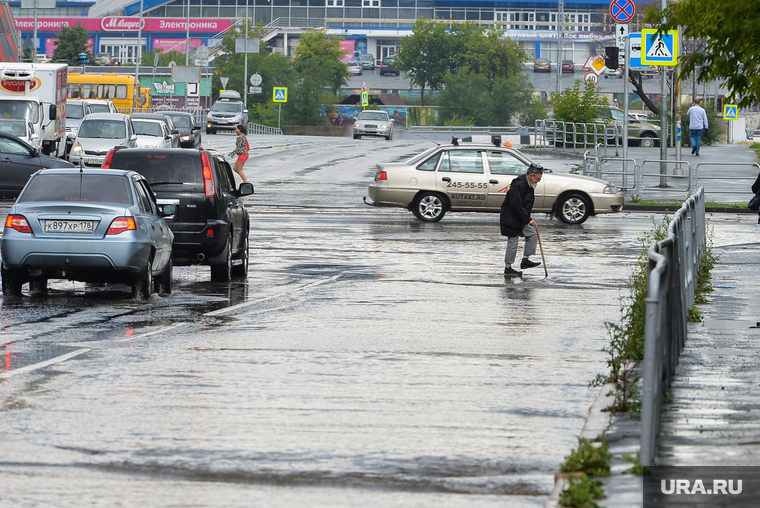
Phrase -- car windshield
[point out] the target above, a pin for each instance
(78, 187)
(106, 129)
(227, 107)
(423, 155)
(100, 107)
(15, 127)
(380, 117)
(147, 128)
(23, 110)
(162, 170)
(75, 111)
(182, 121)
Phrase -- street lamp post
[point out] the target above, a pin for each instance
(136, 93)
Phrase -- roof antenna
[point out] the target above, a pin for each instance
(496, 140)
(454, 141)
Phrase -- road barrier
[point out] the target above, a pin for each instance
(254, 128)
(672, 274)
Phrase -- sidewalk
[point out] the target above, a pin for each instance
(714, 416)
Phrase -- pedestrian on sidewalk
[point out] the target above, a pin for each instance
(697, 123)
(515, 219)
(241, 150)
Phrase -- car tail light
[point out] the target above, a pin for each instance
(208, 176)
(109, 158)
(19, 223)
(121, 224)
(382, 175)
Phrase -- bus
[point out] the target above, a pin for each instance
(119, 88)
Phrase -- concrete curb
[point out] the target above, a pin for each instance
(631, 207)
(597, 423)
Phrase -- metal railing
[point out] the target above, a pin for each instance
(557, 134)
(726, 174)
(254, 128)
(628, 174)
(672, 273)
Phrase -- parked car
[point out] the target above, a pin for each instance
(21, 129)
(101, 105)
(189, 130)
(98, 133)
(152, 133)
(614, 73)
(19, 161)
(76, 110)
(211, 225)
(388, 66)
(91, 226)
(641, 133)
(542, 65)
(354, 68)
(373, 123)
(474, 178)
(367, 61)
(568, 66)
(226, 113)
(103, 58)
(639, 116)
(162, 116)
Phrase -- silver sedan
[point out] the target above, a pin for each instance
(90, 226)
(373, 123)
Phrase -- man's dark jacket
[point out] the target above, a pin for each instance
(515, 210)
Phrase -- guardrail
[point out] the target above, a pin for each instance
(672, 273)
(557, 134)
(254, 128)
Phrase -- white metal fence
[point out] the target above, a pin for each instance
(672, 274)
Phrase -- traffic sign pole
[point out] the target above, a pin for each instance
(626, 74)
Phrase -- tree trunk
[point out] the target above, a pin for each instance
(636, 80)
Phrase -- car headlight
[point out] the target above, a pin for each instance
(185, 138)
(77, 148)
(610, 189)
(384, 126)
(357, 124)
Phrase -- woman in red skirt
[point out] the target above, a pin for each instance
(241, 150)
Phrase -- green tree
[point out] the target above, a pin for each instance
(319, 65)
(164, 59)
(728, 32)
(576, 105)
(71, 42)
(425, 55)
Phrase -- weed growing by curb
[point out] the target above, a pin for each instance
(582, 492)
(588, 458)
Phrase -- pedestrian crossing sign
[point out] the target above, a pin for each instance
(730, 112)
(365, 98)
(659, 48)
(280, 94)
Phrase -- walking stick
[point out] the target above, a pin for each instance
(542, 251)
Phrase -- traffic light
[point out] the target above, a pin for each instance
(612, 57)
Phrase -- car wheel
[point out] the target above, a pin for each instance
(429, 207)
(356, 136)
(222, 272)
(241, 270)
(208, 131)
(573, 209)
(143, 286)
(11, 283)
(163, 284)
(39, 286)
(648, 140)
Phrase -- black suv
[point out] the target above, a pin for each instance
(211, 224)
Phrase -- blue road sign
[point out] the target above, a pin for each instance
(280, 94)
(622, 10)
(730, 112)
(635, 41)
(659, 49)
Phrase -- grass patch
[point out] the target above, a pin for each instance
(588, 458)
(582, 492)
(637, 468)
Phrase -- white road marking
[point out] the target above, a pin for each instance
(46, 363)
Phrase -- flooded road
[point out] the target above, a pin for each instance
(368, 360)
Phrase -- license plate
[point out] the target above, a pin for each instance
(68, 226)
(95, 161)
(223, 122)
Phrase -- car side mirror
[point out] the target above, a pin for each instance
(245, 111)
(167, 210)
(167, 137)
(52, 112)
(175, 131)
(133, 137)
(246, 189)
(197, 128)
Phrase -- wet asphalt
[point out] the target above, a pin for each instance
(368, 360)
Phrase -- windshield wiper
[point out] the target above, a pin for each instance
(166, 183)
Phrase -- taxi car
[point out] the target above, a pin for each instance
(476, 177)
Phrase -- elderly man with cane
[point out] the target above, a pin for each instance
(515, 220)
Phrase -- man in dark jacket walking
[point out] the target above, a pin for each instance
(515, 220)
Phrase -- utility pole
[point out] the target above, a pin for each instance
(663, 118)
(136, 93)
(560, 36)
(187, 36)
